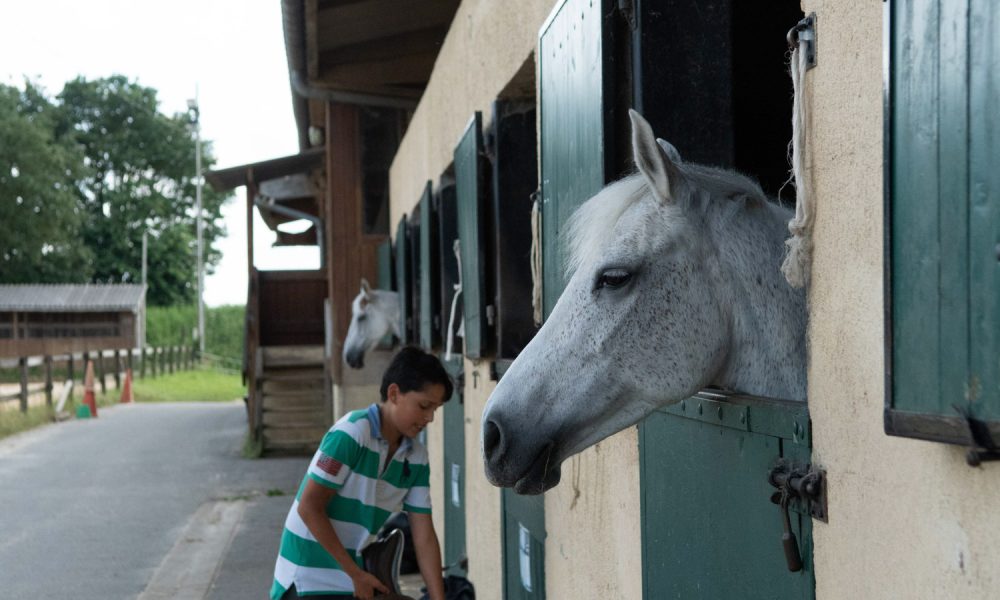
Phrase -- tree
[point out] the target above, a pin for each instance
(140, 177)
(40, 219)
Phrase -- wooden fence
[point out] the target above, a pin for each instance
(151, 362)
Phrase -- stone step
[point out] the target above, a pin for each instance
(293, 372)
(290, 356)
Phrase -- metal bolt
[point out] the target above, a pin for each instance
(743, 418)
(720, 413)
(699, 408)
(795, 429)
(683, 405)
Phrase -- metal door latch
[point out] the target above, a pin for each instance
(804, 34)
(982, 448)
(802, 483)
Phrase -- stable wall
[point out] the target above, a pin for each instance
(592, 547)
(908, 519)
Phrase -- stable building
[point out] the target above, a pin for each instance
(57, 319)
(520, 115)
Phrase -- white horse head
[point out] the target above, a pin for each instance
(374, 314)
(675, 286)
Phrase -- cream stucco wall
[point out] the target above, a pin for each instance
(908, 519)
(593, 523)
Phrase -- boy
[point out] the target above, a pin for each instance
(368, 465)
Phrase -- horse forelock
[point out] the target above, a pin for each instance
(591, 226)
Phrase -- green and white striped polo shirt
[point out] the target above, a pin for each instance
(349, 460)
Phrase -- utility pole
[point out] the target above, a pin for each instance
(142, 331)
(193, 107)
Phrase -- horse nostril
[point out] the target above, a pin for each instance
(491, 438)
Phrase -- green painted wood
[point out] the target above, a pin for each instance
(430, 271)
(709, 528)
(944, 269)
(454, 473)
(470, 193)
(403, 281)
(572, 100)
(984, 205)
(523, 546)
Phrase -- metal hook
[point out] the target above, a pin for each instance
(804, 34)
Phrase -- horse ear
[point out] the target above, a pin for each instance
(654, 164)
(365, 288)
(669, 150)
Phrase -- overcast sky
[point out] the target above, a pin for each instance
(231, 51)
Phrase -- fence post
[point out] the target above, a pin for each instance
(22, 363)
(100, 370)
(48, 381)
(128, 358)
(142, 362)
(118, 369)
(69, 367)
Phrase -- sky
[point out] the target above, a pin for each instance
(230, 52)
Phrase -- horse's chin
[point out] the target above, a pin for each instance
(543, 474)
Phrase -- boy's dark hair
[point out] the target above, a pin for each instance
(412, 370)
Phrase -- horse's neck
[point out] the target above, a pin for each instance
(388, 304)
(767, 355)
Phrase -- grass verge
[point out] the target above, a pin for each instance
(202, 385)
(14, 421)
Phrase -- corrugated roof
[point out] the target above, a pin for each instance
(58, 297)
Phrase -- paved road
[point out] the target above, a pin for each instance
(110, 507)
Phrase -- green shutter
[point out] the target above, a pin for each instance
(942, 219)
(453, 422)
(386, 278)
(471, 231)
(430, 272)
(573, 104)
(403, 281)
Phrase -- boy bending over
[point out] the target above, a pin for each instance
(368, 465)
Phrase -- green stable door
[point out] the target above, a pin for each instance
(709, 526)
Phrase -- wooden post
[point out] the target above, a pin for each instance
(128, 358)
(118, 369)
(142, 363)
(69, 367)
(100, 371)
(22, 363)
(48, 381)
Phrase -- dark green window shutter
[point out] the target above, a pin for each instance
(469, 177)
(447, 234)
(943, 219)
(453, 422)
(403, 281)
(573, 99)
(430, 272)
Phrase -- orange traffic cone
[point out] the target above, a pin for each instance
(88, 390)
(127, 388)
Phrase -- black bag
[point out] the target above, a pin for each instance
(455, 588)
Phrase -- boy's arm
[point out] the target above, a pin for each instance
(312, 509)
(425, 543)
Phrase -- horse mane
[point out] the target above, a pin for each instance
(590, 226)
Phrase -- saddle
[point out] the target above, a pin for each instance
(382, 558)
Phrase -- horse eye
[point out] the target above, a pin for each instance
(613, 278)
(362, 318)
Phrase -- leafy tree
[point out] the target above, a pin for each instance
(40, 218)
(140, 177)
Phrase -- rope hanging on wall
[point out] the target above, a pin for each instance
(536, 259)
(798, 257)
(454, 305)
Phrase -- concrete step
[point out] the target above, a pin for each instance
(293, 372)
(298, 417)
(292, 356)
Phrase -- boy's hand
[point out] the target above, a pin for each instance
(366, 584)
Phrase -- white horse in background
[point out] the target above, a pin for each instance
(374, 314)
(676, 285)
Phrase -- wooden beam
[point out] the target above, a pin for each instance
(312, 43)
(411, 42)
